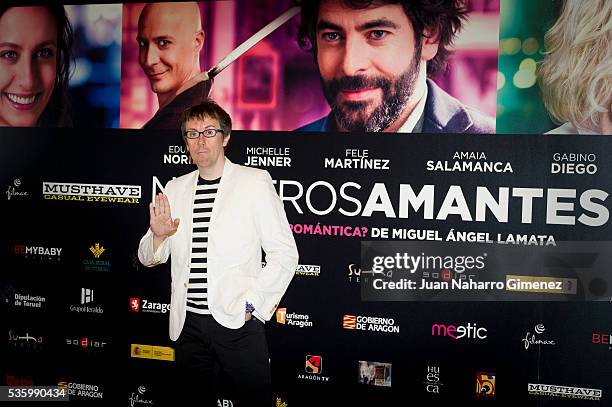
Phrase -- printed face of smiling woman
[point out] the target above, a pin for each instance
(28, 64)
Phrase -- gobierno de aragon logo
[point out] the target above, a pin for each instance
(100, 193)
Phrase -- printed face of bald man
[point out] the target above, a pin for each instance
(170, 38)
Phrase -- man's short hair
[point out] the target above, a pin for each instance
(207, 109)
(443, 18)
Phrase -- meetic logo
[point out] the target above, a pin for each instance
(95, 262)
(456, 332)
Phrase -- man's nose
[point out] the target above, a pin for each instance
(355, 58)
(151, 55)
(202, 139)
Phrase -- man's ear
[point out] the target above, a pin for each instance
(226, 139)
(199, 40)
(430, 44)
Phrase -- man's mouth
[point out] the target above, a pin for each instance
(22, 101)
(359, 94)
(156, 75)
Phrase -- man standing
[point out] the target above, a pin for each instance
(214, 222)
(170, 39)
(374, 58)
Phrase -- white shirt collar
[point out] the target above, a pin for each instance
(417, 112)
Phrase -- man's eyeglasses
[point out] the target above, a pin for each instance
(208, 133)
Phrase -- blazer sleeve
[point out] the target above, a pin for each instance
(147, 257)
(279, 245)
(145, 250)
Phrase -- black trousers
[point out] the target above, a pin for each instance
(210, 357)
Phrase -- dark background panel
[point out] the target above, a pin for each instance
(135, 158)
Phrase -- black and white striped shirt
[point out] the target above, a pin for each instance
(197, 288)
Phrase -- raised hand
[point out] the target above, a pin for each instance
(161, 223)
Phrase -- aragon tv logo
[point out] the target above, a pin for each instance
(314, 364)
(313, 369)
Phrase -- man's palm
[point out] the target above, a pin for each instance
(162, 224)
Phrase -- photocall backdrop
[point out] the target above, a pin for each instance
(66, 251)
(79, 310)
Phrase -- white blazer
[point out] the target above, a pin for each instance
(247, 216)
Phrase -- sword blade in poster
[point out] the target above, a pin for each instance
(249, 43)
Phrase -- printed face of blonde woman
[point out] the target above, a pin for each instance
(605, 122)
(28, 64)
